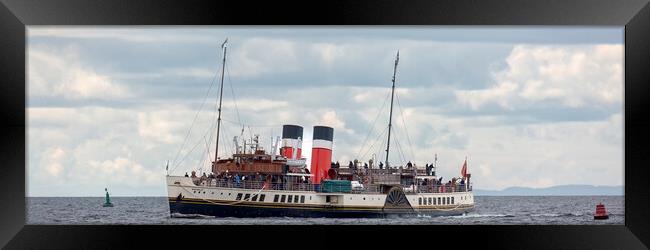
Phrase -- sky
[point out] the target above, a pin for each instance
(528, 106)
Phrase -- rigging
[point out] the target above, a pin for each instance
(372, 125)
(408, 138)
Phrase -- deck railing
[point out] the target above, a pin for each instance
(369, 188)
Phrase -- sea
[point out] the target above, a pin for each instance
(489, 210)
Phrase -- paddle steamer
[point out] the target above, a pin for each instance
(254, 182)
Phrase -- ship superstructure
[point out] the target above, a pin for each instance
(254, 182)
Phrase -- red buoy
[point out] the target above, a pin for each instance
(601, 213)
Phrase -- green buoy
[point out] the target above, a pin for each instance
(108, 199)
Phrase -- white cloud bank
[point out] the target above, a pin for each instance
(63, 75)
(575, 76)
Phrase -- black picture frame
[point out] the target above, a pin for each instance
(633, 14)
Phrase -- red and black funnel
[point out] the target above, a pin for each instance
(321, 152)
(290, 136)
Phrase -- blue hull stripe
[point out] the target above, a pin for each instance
(222, 210)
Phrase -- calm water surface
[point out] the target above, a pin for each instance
(492, 210)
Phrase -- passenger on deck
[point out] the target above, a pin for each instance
(365, 165)
(350, 165)
(381, 165)
(409, 165)
(186, 175)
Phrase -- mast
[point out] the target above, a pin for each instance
(223, 67)
(390, 117)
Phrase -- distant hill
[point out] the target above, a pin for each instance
(555, 190)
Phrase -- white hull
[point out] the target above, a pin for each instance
(182, 190)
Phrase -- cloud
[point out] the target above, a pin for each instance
(52, 162)
(82, 149)
(128, 35)
(329, 118)
(572, 76)
(62, 74)
(124, 170)
(330, 53)
(158, 126)
(485, 170)
(258, 56)
(256, 104)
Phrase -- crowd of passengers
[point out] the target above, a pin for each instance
(239, 180)
(429, 168)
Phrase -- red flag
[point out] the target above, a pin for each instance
(463, 171)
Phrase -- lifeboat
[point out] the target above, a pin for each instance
(601, 213)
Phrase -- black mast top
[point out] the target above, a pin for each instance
(390, 117)
(223, 66)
